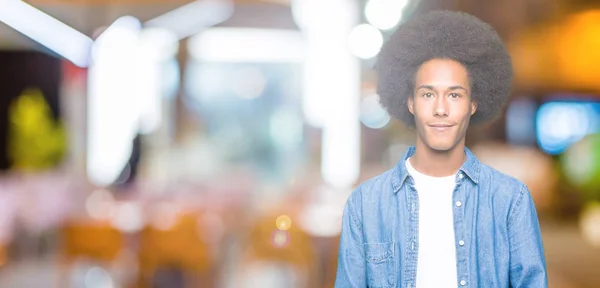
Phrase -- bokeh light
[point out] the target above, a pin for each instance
(97, 277)
(365, 41)
(372, 114)
(280, 239)
(321, 219)
(590, 223)
(385, 14)
(100, 204)
(283, 222)
(128, 217)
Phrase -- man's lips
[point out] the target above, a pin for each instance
(441, 127)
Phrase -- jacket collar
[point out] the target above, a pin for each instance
(470, 168)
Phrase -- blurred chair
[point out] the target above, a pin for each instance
(285, 255)
(178, 247)
(331, 262)
(96, 241)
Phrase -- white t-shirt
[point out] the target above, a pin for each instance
(436, 266)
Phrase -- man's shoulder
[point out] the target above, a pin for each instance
(374, 188)
(496, 181)
(379, 180)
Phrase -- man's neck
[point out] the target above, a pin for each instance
(438, 163)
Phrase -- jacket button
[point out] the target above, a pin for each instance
(461, 243)
(458, 203)
(463, 282)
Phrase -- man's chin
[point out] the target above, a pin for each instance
(441, 147)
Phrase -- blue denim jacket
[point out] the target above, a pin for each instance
(497, 233)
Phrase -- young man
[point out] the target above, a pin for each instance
(440, 218)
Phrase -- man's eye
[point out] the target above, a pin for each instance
(428, 95)
(454, 95)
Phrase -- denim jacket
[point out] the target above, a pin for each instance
(497, 233)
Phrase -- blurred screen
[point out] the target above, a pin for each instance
(562, 123)
(520, 122)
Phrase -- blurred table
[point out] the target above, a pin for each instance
(571, 262)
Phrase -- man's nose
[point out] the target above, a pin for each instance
(441, 106)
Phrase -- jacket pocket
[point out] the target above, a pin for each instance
(380, 265)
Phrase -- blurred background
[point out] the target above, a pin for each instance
(213, 143)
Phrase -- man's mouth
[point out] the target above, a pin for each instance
(441, 127)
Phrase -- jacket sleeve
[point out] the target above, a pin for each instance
(351, 255)
(527, 260)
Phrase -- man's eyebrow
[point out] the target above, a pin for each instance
(430, 87)
(457, 88)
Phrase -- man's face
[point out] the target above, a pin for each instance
(441, 104)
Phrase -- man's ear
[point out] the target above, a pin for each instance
(473, 107)
(410, 103)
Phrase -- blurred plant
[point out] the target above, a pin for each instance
(35, 140)
(581, 166)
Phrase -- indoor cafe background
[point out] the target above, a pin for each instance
(213, 143)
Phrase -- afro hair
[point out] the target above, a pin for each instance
(445, 35)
